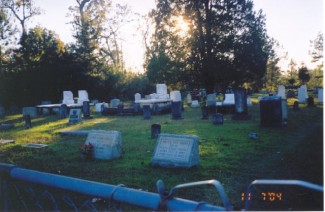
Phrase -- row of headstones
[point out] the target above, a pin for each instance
(302, 94)
(174, 96)
(170, 151)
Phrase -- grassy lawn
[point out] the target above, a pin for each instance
(226, 152)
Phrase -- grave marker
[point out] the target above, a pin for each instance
(31, 111)
(175, 96)
(176, 151)
(67, 98)
(115, 102)
(6, 141)
(36, 146)
(107, 144)
(320, 96)
(281, 91)
(75, 116)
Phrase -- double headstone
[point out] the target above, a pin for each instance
(176, 151)
(107, 144)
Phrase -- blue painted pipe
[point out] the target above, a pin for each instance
(120, 194)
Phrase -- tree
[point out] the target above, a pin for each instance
(317, 45)
(22, 10)
(303, 74)
(227, 43)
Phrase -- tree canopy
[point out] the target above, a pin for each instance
(226, 43)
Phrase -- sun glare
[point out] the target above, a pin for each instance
(182, 26)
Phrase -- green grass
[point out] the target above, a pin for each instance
(226, 152)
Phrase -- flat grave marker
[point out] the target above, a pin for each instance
(176, 151)
(36, 146)
(6, 141)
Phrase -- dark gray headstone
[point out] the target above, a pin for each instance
(63, 111)
(155, 130)
(146, 112)
(86, 110)
(176, 151)
(107, 144)
(205, 113)
(75, 116)
(272, 111)
(217, 119)
(176, 110)
(28, 122)
(296, 106)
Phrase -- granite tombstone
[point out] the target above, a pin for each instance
(176, 151)
(107, 144)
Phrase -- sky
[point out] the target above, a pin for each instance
(293, 23)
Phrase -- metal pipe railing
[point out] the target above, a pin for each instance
(120, 194)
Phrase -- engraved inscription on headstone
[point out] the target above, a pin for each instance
(75, 116)
(176, 151)
(107, 144)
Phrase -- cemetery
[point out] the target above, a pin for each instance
(163, 105)
(176, 146)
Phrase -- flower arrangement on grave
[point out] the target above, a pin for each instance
(87, 151)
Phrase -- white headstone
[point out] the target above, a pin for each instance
(320, 95)
(31, 111)
(107, 144)
(137, 97)
(67, 98)
(161, 89)
(249, 101)
(162, 96)
(115, 102)
(302, 95)
(304, 87)
(229, 99)
(281, 91)
(176, 151)
(211, 100)
(189, 99)
(82, 96)
(98, 106)
(153, 96)
(75, 116)
(175, 96)
(195, 103)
